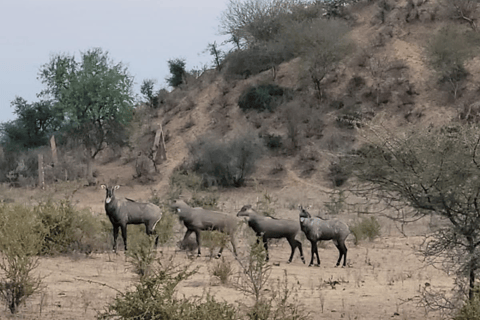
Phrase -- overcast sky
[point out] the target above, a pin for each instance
(142, 34)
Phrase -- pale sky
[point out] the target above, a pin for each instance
(142, 34)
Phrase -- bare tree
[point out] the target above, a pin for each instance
(429, 172)
(249, 21)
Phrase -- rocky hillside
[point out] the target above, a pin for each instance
(386, 75)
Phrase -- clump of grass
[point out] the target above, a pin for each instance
(366, 228)
(222, 270)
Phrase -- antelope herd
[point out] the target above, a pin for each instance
(124, 211)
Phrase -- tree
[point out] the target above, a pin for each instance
(94, 94)
(147, 90)
(249, 21)
(34, 123)
(323, 44)
(217, 54)
(177, 69)
(432, 171)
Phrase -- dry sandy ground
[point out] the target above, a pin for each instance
(382, 281)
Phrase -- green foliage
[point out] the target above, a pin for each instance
(273, 141)
(94, 95)
(177, 70)
(225, 163)
(366, 228)
(263, 97)
(154, 297)
(147, 90)
(34, 123)
(251, 61)
(21, 238)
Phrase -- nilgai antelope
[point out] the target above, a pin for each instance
(271, 228)
(199, 219)
(317, 229)
(123, 211)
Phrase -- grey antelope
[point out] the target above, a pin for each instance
(271, 228)
(123, 211)
(199, 219)
(317, 229)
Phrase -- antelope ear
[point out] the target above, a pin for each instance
(103, 186)
(117, 187)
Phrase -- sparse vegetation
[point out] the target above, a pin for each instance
(367, 228)
(448, 51)
(225, 163)
(21, 239)
(154, 298)
(222, 270)
(262, 97)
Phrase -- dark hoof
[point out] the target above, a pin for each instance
(310, 265)
(289, 261)
(276, 264)
(317, 265)
(218, 256)
(199, 255)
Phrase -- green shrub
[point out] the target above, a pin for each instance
(265, 97)
(225, 163)
(366, 228)
(177, 69)
(21, 239)
(154, 297)
(68, 229)
(273, 141)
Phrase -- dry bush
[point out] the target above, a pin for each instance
(464, 10)
(222, 270)
(365, 228)
(67, 229)
(225, 163)
(323, 44)
(21, 239)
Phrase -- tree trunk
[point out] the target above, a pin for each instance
(472, 282)
(90, 179)
(41, 173)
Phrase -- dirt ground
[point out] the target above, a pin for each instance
(382, 280)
